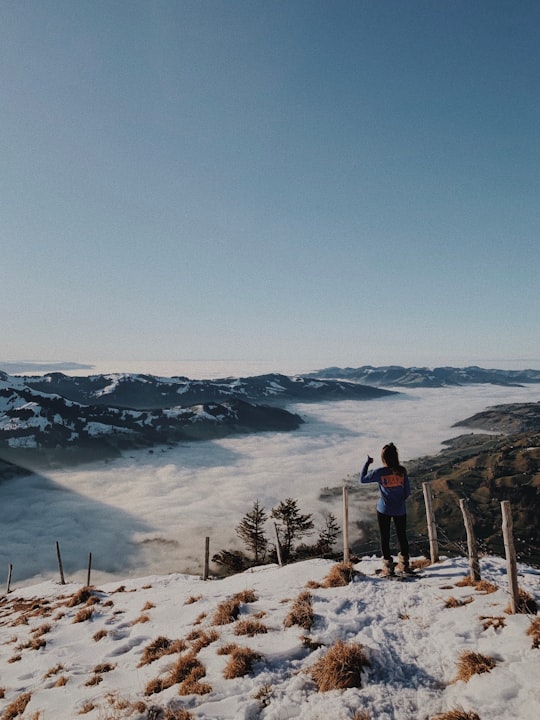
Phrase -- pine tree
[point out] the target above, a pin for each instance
(293, 525)
(251, 531)
(328, 535)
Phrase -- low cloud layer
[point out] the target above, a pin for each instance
(149, 512)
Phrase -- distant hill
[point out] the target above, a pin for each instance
(151, 392)
(398, 376)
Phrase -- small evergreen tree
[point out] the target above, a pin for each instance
(251, 532)
(328, 535)
(292, 523)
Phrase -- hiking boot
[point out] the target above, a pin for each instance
(388, 567)
(403, 565)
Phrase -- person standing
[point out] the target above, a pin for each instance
(394, 490)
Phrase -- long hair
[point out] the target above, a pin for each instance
(390, 457)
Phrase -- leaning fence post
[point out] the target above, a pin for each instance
(346, 556)
(471, 541)
(431, 526)
(10, 571)
(62, 580)
(89, 569)
(510, 551)
(206, 570)
(278, 546)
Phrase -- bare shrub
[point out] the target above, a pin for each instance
(301, 612)
(472, 663)
(496, 623)
(159, 647)
(84, 614)
(240, 662)
(17, 707)
(534, 631)
(340, 668)
(341, 574)
(457, 714)
(250, 627)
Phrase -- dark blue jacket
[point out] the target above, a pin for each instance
(394, 489)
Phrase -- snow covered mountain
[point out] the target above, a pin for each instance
(398, 376)
(306, 641)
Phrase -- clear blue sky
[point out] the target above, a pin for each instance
(340, 182)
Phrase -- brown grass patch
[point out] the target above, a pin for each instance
(86, 708)
(83, 596)
(227, 612)
(84, 614)
(534, 632)
(340, 575)
(17, 707)
(203, 639)
(340, 668)
(148, 606)
(453, 602)
(141, 619)
(94, 680)
(488, 621)
(457, 714)
(250, 627)
(192, 685)
(198, 620)
(226, 649)
(159, 647)
(42, 630)
(99, 635)
(263, 695)
(240, 662)
(193, 599)
(187, 668)
(472, 663)
(420, 563)
(62, 680)
(104, 667)
(53, 671)
(481, 586)
(14, 658)
(301, 612)
(361, 715)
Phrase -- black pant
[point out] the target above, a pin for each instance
(400, 522)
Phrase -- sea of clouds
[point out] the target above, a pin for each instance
(150, 511)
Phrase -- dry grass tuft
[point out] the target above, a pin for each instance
(471, 663)
(159, 647)
(84, 614)
(226, 649)
(488, 621)
(2, 693)
(193, 599)
(141, 619)
(250, 627)
(340, 668)
(17, 707)
(340, 575)
(264, 695)
(94, 680)
(482, 586)
(192, 685)
(99, 635)
(457, 714)
(14, 658)
(453, 602)
(104, 667)
(227, 612)
(309, 643)
(526, 604)
(301, 612)
(420, 563)
(42, 630)
(62, 680)
(202, 639)
(240, 662)
(148, 606)
(247, 596)
(53, 671)
(82, 596)
(361, 715)
(534, 632)
(86, 708)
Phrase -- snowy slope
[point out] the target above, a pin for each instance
(412, 640)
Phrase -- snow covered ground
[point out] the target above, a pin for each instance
(413, 634)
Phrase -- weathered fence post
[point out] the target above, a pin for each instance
(431, 526)
(346, 555)
(278, 546)
(471, 541)
(60, 567)
(89, 569)
(510, 552)
(10, 571)
(206, 570)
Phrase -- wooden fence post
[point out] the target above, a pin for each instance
(510, 551)
(10, 571)
(346, 555)
(206, 558)
(278, 546)
(431, 526)
(471, 541)
(89, 569)
(60, 567)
